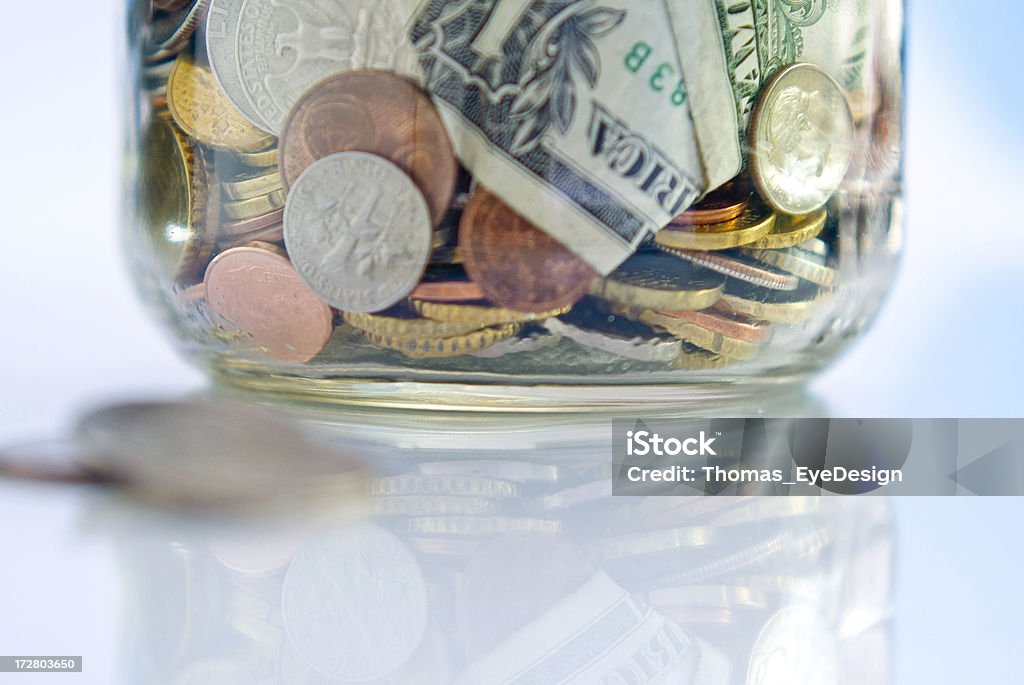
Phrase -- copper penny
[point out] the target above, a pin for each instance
(446, 283)
(729, 324)
(447, 291)
(245, 226)
(255, 291)
(376, 112)
(517, 265)
(722, 204)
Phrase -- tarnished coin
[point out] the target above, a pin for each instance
(279, 49)
(358, 231)
(517, 265)
(755, 223)
(204, 113)
(354, 603)
(738, 266)
(790, 231)
(376, 112)
(795, 646)
(255, 291)
(660, 281)
(801, 139)
(722, 204)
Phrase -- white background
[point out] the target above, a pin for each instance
(947, 344)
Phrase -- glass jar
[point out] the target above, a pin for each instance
(513, 203)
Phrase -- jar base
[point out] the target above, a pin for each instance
(773, 395)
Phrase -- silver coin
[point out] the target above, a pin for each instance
(801, 139)
(284, 47)
(795, 647)
(355, 603)
(214, 455)
(220, 29)
(358, 231)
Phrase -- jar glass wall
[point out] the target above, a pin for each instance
(514, 204)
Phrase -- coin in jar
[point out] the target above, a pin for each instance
(658, 280)
(722, 204)
(204, 113)
(790, 231)
(358, 231)
(255, 290)
(379, 113)
(517, 265)
(756, 222)
(739, 266)
(801, 139)
(285, 47)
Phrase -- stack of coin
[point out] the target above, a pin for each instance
(335, 188)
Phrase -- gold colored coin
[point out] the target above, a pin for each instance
(809, 270)
(170, 195)
(660, 281)
(755, 223)
(409, 327)
(257, 206)
(704, 338)
(203, 111)
(253, 186)
(775, 306)
(261, 159)
(790, 231)
(479, 315)
(455, 346)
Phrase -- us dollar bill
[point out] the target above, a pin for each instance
(599, 635)
(729, 48)
(601, 120)
(574, 112)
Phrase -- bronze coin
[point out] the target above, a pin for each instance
(722, 204)
(728, 323)
(517, 265)
(376, 112)
(447, 291)
(255, 291)
(246, 226)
